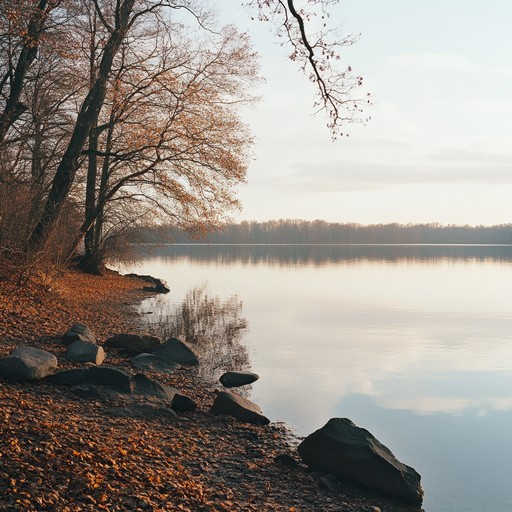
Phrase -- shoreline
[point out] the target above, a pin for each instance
(62, 452)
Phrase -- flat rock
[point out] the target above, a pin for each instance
(27, 363)
(234, 379)
(132, 343)
(178, 351)
(240, 408)
(144, 411)
(85, 352)
(160, 286)
(114, 378)
(153, 363)
(72, 377)
(78, 332)
(143, 385)
(352, 453)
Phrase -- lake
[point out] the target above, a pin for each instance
(413, 343)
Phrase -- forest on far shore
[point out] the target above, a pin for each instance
(294, 231)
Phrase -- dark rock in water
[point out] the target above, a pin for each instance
(183, 403)
(240, 408)
(73, 377)
(143, 385)
(27, 363)
(352, 453)
(152, 363)
(133, 344)
(235, 379)
(144, 411)
(160, 286)
(85, 352)
(78, 332)
(178, 351)
(111, 377)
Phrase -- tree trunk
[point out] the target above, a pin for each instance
(86, 119)
(13, 106)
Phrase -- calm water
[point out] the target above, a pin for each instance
(413, 343)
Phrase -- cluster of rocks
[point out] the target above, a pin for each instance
(339, 451)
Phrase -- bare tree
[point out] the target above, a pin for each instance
(173, 142)
(317, 53)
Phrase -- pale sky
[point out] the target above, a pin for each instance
(438, 145)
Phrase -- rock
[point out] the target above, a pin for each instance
(286, 459)
(111, 377)
(78, 332)
(235, 379)
(178, 351)
(160, 286)
(240, 408)
(27, 363)
(73, 377)
(183, 403)
(352, 453)
(143, 411)
(85, 352)
(133, 344)
(143, 385)
(152, 363)
(89, 392)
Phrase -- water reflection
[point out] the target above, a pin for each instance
(215, 325)
(316, 255)
(413, 343)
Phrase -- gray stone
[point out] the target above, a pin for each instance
(352, 453)
(240, 408)
(112, 377)
(78, 332)
(179, 352)
(183, 403)
(152, 363)
(160, 286)
(133, 344)
(72, 377)
(236, 379)
(27, 363)
(85, 352)
(144, 411)
(143, 385)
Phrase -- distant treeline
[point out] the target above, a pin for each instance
(322, 232)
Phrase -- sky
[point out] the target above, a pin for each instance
(438, 146)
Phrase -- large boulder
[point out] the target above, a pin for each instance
(152, 363)
(71, 377)
(236, 379)
(111, 377)
(143, 411)
(240, 408)
(85, 352)
(27, 363)
(78, 332)
(133, 344)
(143, 385)
(352, 453)
(178, 351)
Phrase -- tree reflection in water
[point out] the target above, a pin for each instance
(215, 325)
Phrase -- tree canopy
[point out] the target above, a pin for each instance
(114, 113)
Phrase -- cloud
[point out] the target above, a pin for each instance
(445, 165)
